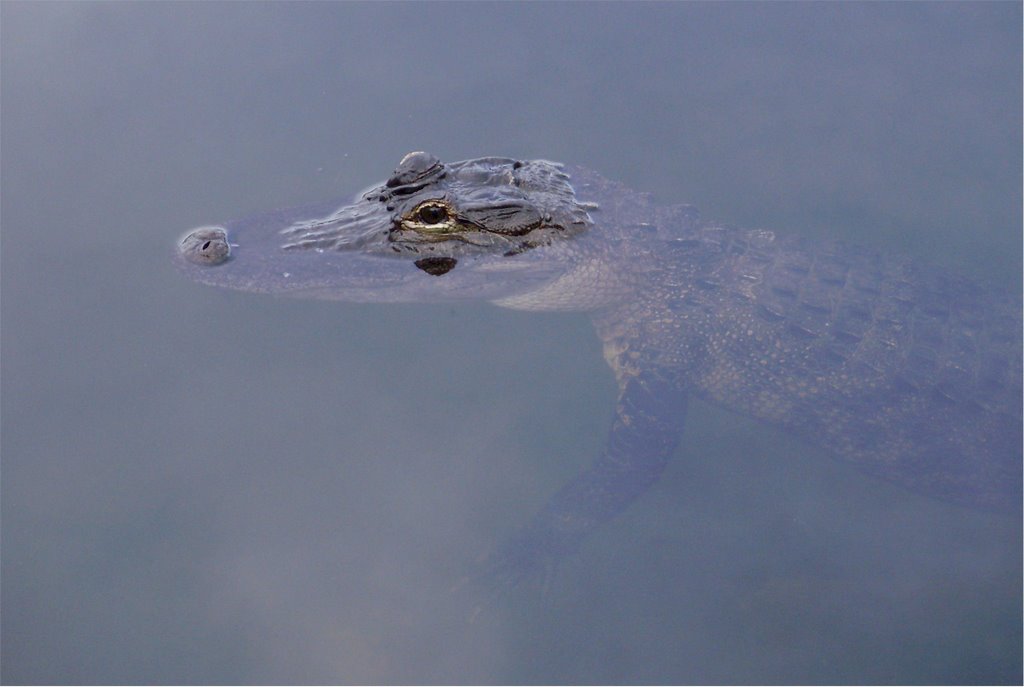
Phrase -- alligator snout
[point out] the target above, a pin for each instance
(206, 246)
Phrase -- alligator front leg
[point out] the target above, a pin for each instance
(647, 425)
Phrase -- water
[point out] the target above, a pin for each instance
(202, 486)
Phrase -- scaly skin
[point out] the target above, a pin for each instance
(912, 374)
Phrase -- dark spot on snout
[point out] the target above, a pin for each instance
(436, 266)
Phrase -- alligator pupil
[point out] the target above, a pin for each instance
(432, 214)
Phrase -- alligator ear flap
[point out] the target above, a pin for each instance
(436, 266)
(509, 219)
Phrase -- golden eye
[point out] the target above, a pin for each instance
(432, 214)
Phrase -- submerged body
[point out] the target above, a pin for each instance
(912, 374)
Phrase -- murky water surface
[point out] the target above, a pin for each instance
(204, 486)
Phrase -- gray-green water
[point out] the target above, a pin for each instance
(202, 486)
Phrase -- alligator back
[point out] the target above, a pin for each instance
(911, 373)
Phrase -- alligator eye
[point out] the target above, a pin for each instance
(432, 214)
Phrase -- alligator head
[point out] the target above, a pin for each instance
(476, 229)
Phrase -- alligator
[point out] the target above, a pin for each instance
(904, 370)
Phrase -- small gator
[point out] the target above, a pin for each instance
(908, 372)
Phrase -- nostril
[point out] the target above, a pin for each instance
(206, 246)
